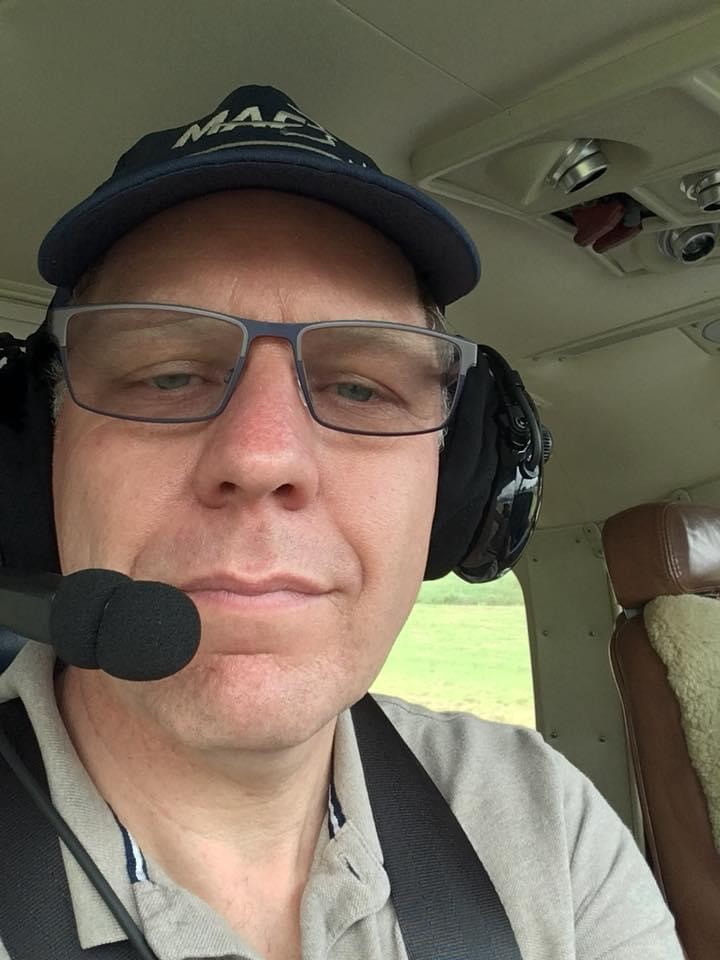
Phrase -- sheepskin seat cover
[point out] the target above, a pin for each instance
(685, 633)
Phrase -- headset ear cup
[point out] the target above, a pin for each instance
(468, 464)
(27, 526)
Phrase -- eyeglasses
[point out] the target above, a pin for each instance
(163, 363)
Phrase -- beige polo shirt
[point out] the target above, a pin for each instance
(568, 872)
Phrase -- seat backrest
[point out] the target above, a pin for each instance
(663, 550)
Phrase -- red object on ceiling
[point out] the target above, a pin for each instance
(595, 222)
(619, 234)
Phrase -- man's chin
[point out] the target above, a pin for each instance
(247, 701)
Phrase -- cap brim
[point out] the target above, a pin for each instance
(432, 239)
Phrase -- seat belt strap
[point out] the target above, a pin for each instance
(446, 904)
(37, 921)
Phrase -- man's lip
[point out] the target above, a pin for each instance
(253, 588)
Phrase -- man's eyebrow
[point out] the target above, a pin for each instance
(371, 332)
(161, 320)
(432, 351)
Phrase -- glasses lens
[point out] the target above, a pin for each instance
(379, 380)
(155, 363)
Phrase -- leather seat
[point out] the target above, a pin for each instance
(659, 550)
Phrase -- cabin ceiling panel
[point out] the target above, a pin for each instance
(505, 49)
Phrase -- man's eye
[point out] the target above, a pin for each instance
(171, 381)
(355, 391)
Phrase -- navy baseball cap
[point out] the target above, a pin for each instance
(258, 137)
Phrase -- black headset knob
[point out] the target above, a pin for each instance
(547, 442)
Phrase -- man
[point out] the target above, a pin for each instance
(291, 494)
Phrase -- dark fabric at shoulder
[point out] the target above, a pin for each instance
(27, 528)
(36, 915)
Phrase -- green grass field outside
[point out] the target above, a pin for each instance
(465, 647)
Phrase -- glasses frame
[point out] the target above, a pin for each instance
(59, 319)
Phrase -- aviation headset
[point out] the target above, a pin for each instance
(491, 465)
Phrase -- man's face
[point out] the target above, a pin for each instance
(261, 493)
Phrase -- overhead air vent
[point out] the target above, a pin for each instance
(632, 146)
(689, 244)
(579, 165)
(711, 332)
(704, 189)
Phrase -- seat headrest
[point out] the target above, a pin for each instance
(662, 549)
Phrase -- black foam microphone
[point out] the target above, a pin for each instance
(131, 629)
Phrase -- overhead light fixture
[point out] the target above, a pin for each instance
(580, 164)
(689, 244)
(703, 188)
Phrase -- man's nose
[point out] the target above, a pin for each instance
(264, 443)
